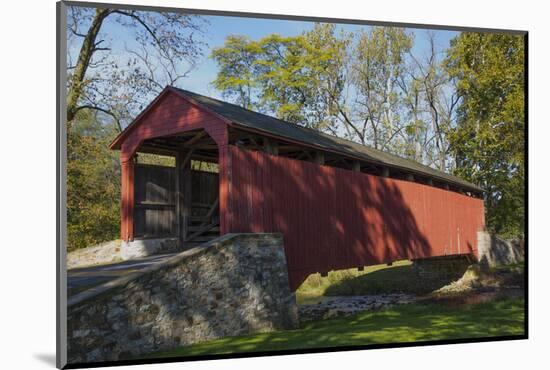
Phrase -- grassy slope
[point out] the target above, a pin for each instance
(377, 279)
(394, 325)
(400, 277)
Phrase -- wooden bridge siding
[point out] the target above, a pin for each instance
(155, 200)
(333, 218)
(170, 115)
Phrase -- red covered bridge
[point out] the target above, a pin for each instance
(338, 204)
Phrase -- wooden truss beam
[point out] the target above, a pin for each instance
(194, 139)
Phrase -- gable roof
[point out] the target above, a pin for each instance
(247, 119)
(258, 121)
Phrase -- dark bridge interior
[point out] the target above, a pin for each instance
(189, 176)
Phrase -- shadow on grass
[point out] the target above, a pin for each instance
(389, 280)
(410, 323)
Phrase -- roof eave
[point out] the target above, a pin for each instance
(356, 157)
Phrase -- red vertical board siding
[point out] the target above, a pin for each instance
(333, 218)
(224, 185)
(172, 115)
(127, 200)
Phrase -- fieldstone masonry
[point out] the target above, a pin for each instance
(493, 251)
(147, 247)
(104, 253)
(236, 284)
(443, 268)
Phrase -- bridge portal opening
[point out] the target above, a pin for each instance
(176, 187)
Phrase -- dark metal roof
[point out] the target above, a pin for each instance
(257, 121)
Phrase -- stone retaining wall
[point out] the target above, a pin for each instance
(236, 284)
(438, 271)
(147, 247)
(104, 253)
(493, 251)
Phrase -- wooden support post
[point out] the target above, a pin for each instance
(254, 142)
(213, 208)
(356, 166)
(183, 194)
(267, 145)
(194, 139)
(186, 194)
(385, 172)
(275, 148)
(319, 158)
(127, 199)
(202, 229)
(271, 146)
(224, 165)
(178, 196)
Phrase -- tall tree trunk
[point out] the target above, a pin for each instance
(86, 52)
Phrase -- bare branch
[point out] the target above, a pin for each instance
(106, 111)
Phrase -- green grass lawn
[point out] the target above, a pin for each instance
(407, 323)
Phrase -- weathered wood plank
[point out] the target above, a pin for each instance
(201, 230)
(178, 188)
(319, 158)
(186, 193)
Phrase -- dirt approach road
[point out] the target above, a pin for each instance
(84, 278)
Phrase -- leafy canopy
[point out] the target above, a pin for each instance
(488, 141)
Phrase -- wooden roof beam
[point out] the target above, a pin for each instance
(319, 158)
(270, 146)
(194, 139)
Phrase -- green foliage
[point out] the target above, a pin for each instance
(204, 166)
(156, 159)
(236, 75)
(463, 114)
(296, 78)
(93, 183)
(488, 142)
(399, 324)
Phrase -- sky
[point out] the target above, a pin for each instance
(219, 27)
(222, 26)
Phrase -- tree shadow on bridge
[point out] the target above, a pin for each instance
(331, 218)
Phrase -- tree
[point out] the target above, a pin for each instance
(379, 63)
(118, 85)
(458, 110)
(296, 78)
(488, 142)
(93, 182)
(311, 79)
(236, 77)
(432, 101)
